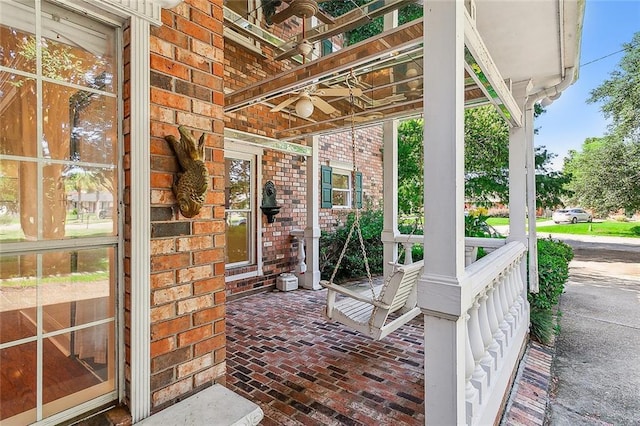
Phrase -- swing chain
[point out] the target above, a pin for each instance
(356, 222)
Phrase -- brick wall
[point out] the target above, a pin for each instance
(243, 67)
(187, 255)
(368, 161)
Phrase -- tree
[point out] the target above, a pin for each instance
(551, 185)
(340, 7)
(410, 178)
(486, 158)
(620, 94)
(605, 175)
(486, 163)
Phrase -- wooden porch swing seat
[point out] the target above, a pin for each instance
(369, 313)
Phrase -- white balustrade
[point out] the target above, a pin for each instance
(471, 245)
(496, 321)
(496, 329)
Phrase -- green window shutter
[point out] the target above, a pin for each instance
(359, 190)
(326, 200)
(327, 47)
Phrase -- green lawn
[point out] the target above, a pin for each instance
(605, 229)
(499, 221)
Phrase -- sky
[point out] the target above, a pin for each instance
(570, 120)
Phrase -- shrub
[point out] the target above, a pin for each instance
(352, 265)
(553, 270)
(475, 225)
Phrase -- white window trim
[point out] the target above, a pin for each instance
(348, 191)
(97, 13)
(346, 169)
(248, 42)
(238, 148)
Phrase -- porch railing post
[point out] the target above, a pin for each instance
(440, 293)
(390, 189)
(311, 279)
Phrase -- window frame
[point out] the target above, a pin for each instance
(328, 188)
(254, 8)
(49, 412)
(253, 154)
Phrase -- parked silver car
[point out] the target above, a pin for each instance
(571, 216)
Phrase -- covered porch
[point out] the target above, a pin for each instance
(461, 54)
(301, 369)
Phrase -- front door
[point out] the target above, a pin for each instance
(59, 218)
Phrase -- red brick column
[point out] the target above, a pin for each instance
(187, 255)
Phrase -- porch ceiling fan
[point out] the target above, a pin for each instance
(300, 8)
(309, 98)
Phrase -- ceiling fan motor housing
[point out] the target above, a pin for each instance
(304, 8)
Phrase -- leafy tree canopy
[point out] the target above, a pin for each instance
(620, 94)
(486, 163)
(605, 175)
(340, 7)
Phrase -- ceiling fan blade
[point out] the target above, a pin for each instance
(337, 92)
(285, 104)
(323, 105)
(365, 118)
(283, 15)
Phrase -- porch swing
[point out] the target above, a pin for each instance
(370, 313)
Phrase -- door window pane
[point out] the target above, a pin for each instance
(238, 238)
(16, 31)
(239, 210)
(78, 125)
(17, 115)
(77, 366)
(78, 290)
(18, 392)
(89, 203)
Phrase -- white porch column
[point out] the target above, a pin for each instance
(531, 199)
(439, 291)
(140, 400)
(517, 172)
(390, 194)
(390, 178)
(311, 280)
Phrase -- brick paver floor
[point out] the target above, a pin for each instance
(304, 370)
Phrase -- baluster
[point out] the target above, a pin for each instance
(522, 301)
(497, 344)
(507, 318)
(301, 266)
(489, 360)
(515, 306)
(471, 393)
(510, 296)
(479, 377)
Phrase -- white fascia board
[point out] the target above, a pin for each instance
(147, 10)
(477, 48)
(267, 142)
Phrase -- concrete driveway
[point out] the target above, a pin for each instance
(596, 370)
